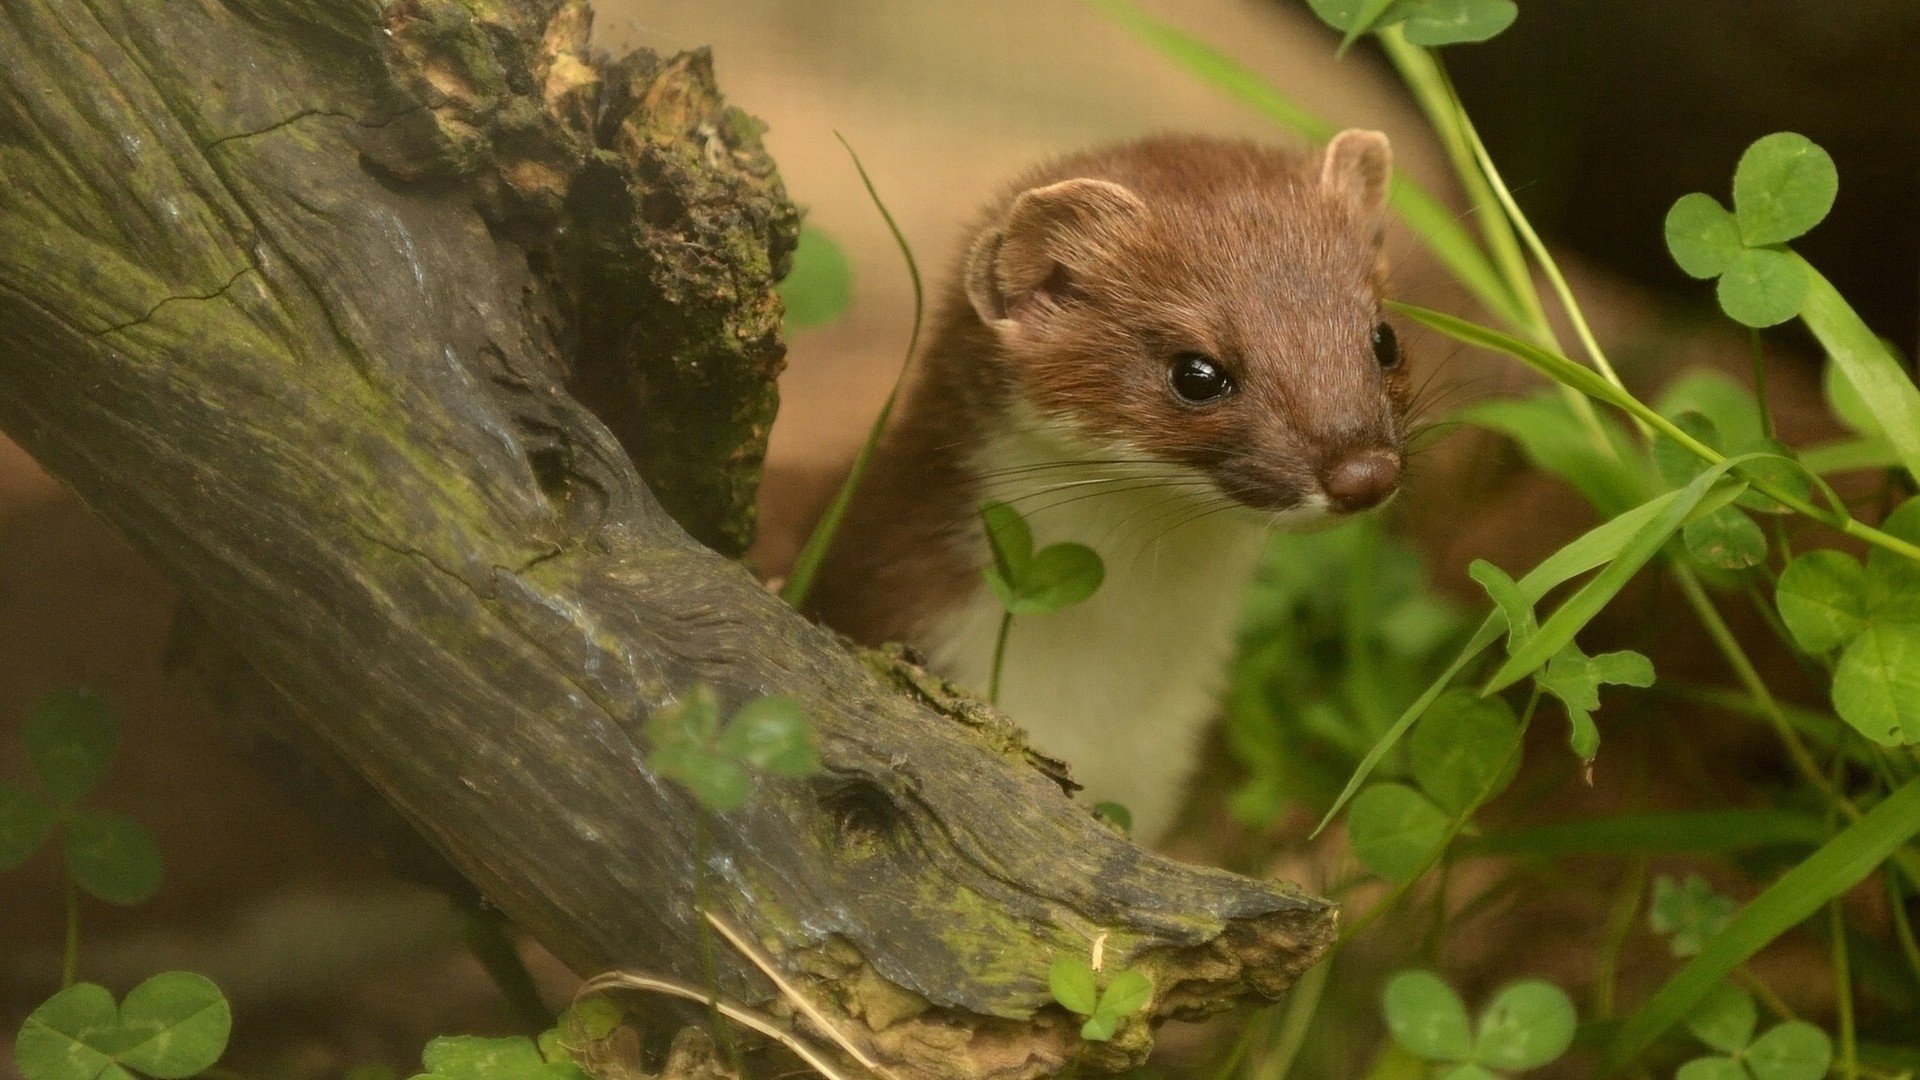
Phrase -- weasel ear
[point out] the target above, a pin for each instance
(1359, 168)
(1048, 234)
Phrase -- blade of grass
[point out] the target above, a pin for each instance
(1579, 609)
(814, 552)
(1589, 382)
(1867, 364)
(1837, 866)
(1425, 214)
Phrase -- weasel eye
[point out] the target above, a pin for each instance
(1386, 346)
(1198, 378)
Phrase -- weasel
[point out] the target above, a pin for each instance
(1163, 350)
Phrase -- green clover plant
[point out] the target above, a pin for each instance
(472, 1057)
(1871, 614)
(1463, 753)
(70, 737)
(171, 1026)
(1783, 186)
(1076, 986)
(1726, 1021)
(1688, 913)
(716, 761)
(1029, 582)
(1425, 22)
(1527, 1025)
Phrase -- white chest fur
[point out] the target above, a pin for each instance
(1122, 686)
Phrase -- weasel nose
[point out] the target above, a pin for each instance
(1362, 480)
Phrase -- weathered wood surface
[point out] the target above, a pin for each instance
(293, 291)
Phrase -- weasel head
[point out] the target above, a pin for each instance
(1210, 306)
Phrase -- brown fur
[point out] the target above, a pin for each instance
(1085, 277)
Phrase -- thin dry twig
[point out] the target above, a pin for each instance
(765, 963)
(627, 980)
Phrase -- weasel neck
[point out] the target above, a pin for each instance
(1123, 685)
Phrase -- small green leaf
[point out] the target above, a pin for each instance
(1100, 1027)
(1457, 22)
(715, 782)
(1463, 751)
(112, 856)
(172, 1026)
(1763, 287)
(819, 288)
(1876, 685)
(1358, 17)
(692, 721)
(1465, 1072)
(70, 735)
(1676, 463)
(1725, 1020)
(1506, 595)
(1526, 1026)
(1426, 1017)
(1072, 983)
(1116, 815)
(1783, 186)
(1712, 1068)
(1059, 576)
(593, 1018)
(1726, 538)
(180, 1022)
(1689, 912)
(472, 1057)
(1575, 678)
(1395, 830)
(1719, 397)
(1822, 599)
(25, 822)
(1846, 402)
(1702, 235)
(1127, 994)
(772, 733)
(1892, 587)
(1792, 1051)
(1009, 538)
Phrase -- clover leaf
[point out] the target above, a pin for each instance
(70, 737)
(819, 288)
(1527, 1025)
(1426, 22)
(1575, 678)
(1828, 601)
(1075, 985)
(1725, 1021)
(472, 1057)
(1029, 582)
(716, 762)
(1689, 913)
(1464, 751)
(1783, 186)
(173, 1025)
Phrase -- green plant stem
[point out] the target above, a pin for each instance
(1422, 74)
(1745, 977)
(1758, 358)
(1849, 1063)
(806, 566)
(1902, 926)
(999, 658)
(1303, 1001)
(1620, 924)
(709, 958)
(70, 958)
(490, 942)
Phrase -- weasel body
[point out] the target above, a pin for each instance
(1162, 350)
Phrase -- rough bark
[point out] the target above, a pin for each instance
(293, 293)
